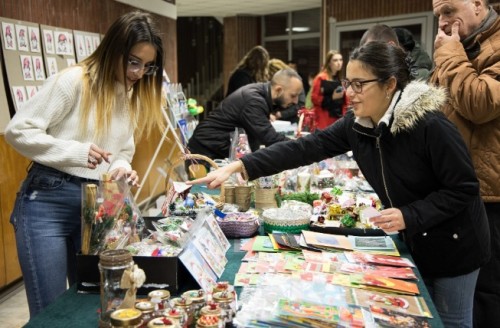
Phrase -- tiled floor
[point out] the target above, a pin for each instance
(14, 311)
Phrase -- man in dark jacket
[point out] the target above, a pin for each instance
(249, 108)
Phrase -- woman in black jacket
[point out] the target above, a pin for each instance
(415, 160)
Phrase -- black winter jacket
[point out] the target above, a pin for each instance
(248, 108)
(416, 160)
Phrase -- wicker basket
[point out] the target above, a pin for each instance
(245, 225)
(192, 157)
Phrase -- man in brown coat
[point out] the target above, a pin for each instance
(467, 63)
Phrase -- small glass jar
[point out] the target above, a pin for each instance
(209, 321)
(112, 265)
(186, 305)
(163, 322)
(163, 295)
(130, 318)
(147, 309)
(177, 314)
(198, 299)
(224, 300)
(211, 309)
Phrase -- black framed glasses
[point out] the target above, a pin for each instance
(357, 86)
(135, 66)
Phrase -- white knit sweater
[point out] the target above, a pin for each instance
(46, 128)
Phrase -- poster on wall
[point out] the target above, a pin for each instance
(48, 40)
(8, 36)
(39, 68)
(27, 68)
(20, 97)
(22, 39)
(35, 44)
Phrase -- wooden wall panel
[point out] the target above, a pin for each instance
(12, 172)
(241, 33)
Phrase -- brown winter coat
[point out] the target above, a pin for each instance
(474, 105)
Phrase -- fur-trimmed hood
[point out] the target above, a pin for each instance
(409, 106)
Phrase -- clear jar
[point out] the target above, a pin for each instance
(186, 305)
(147, 309)
(209, 321)
(163, 322)
(130, 318)
(112, 265)
(160, 297)
(178, 315)
(225, 301)
(198, 299)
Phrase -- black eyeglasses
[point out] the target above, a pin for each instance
(135, 66)
(357, 86)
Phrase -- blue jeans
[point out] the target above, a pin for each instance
(46, 220)
(454, 298)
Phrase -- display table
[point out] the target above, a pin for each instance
(74, 309)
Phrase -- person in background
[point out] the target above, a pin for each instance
(290, 113)
(379, 32)
(421, 63)
(80, 125)
(251, 69)
(249, 108)
(310, 80)
(327, 94)
(415, 160)
(467, 64)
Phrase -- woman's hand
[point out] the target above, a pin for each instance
(390, 220)
(216, 178)
(96, 156)
(131, 176)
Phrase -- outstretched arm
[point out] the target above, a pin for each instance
(216, 178)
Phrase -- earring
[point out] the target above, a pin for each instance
(387, 95)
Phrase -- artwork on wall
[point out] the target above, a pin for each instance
(22, 37)
(27, 68)
(9, 36)
(38, 67)
(31, 91)
(20, 97)
(35, 44)
(51, 66)
(48, 37)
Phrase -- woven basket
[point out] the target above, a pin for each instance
(246, 226)
(193, 157)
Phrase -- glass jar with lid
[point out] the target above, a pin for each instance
(147, 308)
(198, 299)
(177, 314)
(112, 265)
(160, 297)
(209, 321)
(163, 322)
(130, 318)
(186, 305)
(225, 301)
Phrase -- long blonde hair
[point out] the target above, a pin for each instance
(100, 69)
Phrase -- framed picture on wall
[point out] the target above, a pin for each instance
(81, 50)
(19, 93)
(31, 91)
(52, 66)
(38, 67)
(35, 44)
(9, 36)
(48, 38)
(22, 37)
(27, 68)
